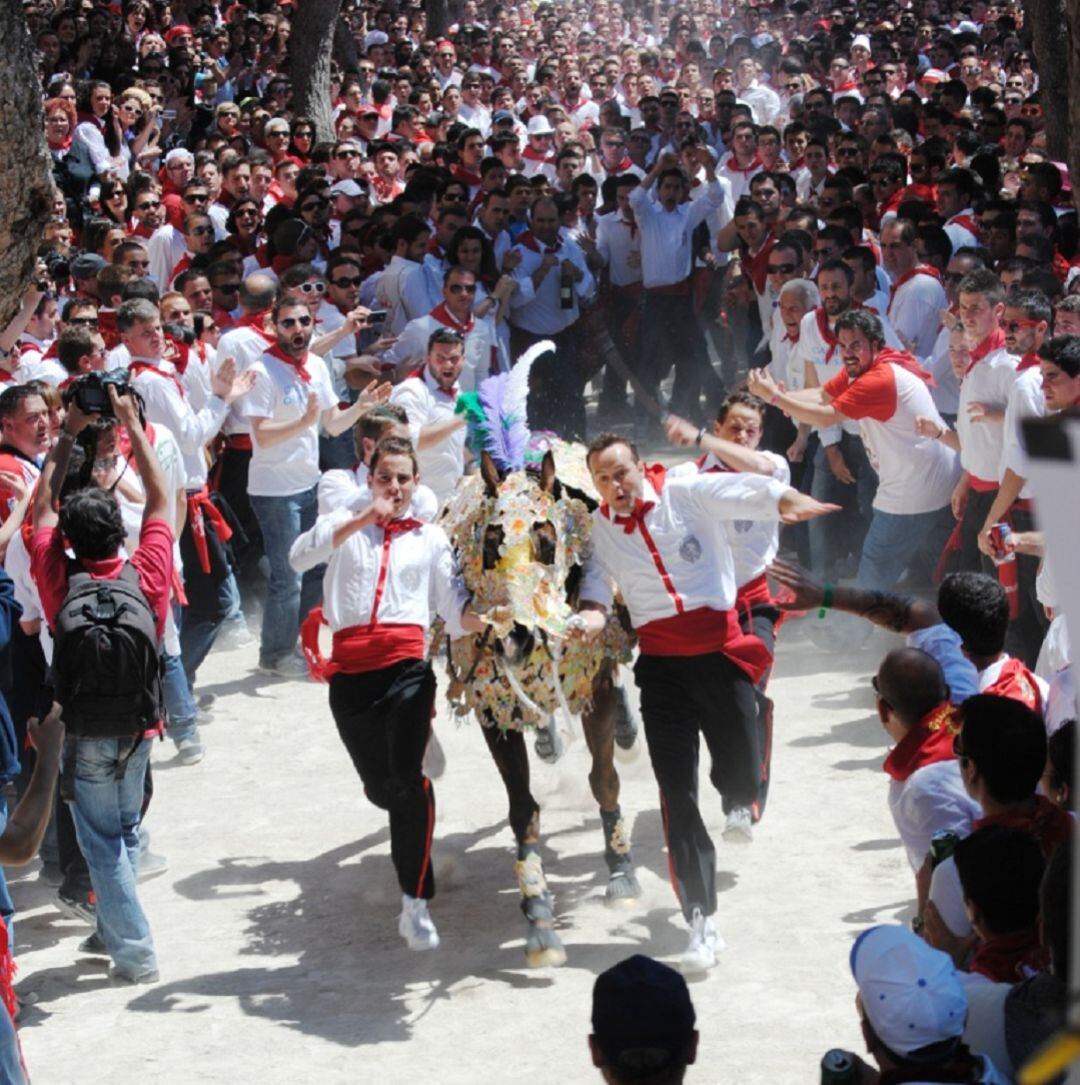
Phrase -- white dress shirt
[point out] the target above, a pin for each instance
(915, 312)
(442, 464)
(989, 381)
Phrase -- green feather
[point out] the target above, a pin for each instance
(468, 404)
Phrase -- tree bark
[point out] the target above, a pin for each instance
(438, 18)
(310, 47)
(1046, 20)
(26, 185)
(1072, 117)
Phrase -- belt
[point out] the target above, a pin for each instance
(200, 509)
(982, 485)
(239, 441)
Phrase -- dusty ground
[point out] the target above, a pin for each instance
(276, 921)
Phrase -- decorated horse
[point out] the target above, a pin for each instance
(520, 527)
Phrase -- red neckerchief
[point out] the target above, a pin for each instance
(180, 267)
(929, 741)
(530, 241)
(421, 374)
(789, 338)
(177, 353)
(905, 360)
(825, 332)
(256, 322)
(655, 474)
(966, 222)
(892, 203)
(399, 527)
(386, 190)
(444, 316)
(733, 166)
(994, 341)
(297, 364)
(537, 156)
(281, 264)
(918, 269)
(1048, 823)
(64, 144)
(758, 264)
(1027, 362)
(90, 118)
(1016, 681)
(460, 173)
(137, 367)
(798, 164)
(1010, 958)
(623, 166)
(140, 229)
(845, 87)
(434, 248)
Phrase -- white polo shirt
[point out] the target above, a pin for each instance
(915, 311)
(989, 380)
(424, 402)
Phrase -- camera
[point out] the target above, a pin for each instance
(90, 392)
(58, 267)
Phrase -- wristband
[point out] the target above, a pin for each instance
(700, 435)
(774, 397)
(826, 601)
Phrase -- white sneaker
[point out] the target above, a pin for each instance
(739, 828)
(415, 924)
(290, 666)
(705, 943)
(190, 750)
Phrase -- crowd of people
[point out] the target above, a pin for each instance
(824, 247)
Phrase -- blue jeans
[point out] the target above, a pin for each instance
(106, 811)
(896, 542)
(289, 597)
(179, 705)
(7, 905)
(201, 622)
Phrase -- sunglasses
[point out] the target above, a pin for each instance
(461, 288)
(293, 321)
(248, 212)
(195, 197)
(848, 152)
(345, 284)
(314, 205)
(84, 321)
(313, 288)
(781, 269)
(148, 206)
(201, 231)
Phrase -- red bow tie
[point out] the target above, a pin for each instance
(397, 527)
(630, 523)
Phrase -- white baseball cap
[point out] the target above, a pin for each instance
(540, 126)
(861, 41)
(910, 992)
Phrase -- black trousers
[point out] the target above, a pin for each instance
(1026, 632)
(230, 480)
(760, 620)
(384, 719)
(972, 559)
(683, 697)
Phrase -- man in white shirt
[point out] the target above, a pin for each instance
(665, 548)
(291, 396)
(956, 189)
(553, 279)
(409, 236)
(429, 396)
(671, 335)
(482, 356)
(916, 297)
(885, 391)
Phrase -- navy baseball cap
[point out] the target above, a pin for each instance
(642, 1007)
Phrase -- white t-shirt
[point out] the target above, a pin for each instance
(915, 474)
(281, 395)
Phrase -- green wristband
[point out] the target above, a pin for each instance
(826, 601)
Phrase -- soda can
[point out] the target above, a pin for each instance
(838, 1068)
(1000, 533)
(942, 845)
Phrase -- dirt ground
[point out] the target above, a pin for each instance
(276, 920)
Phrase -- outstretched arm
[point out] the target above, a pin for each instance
(901, 614)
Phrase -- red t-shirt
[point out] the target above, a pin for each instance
(153, 560)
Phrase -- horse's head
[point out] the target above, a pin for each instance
(518, 536)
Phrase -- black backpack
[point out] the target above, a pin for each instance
(106, 670)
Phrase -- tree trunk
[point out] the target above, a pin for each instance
(310, 48)
(438, 18)
(26, 186)
(1072, 118)
(1046, 19)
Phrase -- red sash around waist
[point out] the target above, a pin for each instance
(201, 509)
(360, 648)
(704, 631)
(982, 485)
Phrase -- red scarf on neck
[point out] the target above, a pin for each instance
(534, 244)
(826, 332)
(994, 341)
(460, 173)
(758, 264)
(731, 164)
(1010, 958)
(257, 323)
(906, 361)
(137, 367)
(1028, 361)
(918, 269)
(297, 364)
(444, 316)
(538, 156)
(64, 144)
(928, 742)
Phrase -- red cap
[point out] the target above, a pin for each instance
(177, 31)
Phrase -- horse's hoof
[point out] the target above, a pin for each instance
(543, 948)
(549, 745)
(623, 889)
(546, 958)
